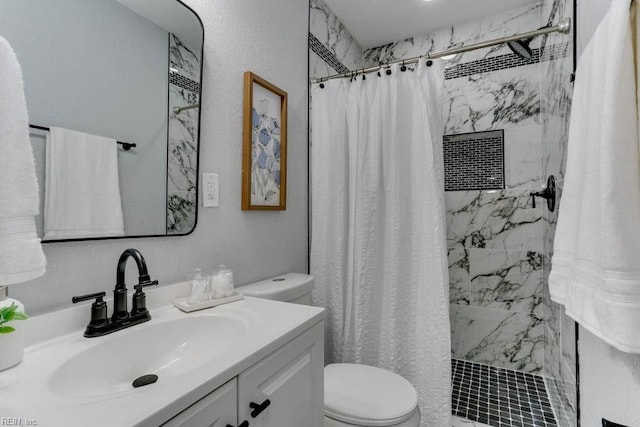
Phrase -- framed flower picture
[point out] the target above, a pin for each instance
(264, 153)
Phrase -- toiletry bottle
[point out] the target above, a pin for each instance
(199, 284)
(227, 280)
(216, 285)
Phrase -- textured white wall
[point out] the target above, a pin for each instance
(270, 39)
(609, 379)
(609, 383)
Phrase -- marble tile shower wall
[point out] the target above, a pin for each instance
(327, 29)
(499, 246)
(560, 357)
(184, 86)
(494, 237)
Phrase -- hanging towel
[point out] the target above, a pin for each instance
(21, 256)
(82, 197)
(595, 270)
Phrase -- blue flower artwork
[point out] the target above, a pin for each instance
(264, 148)
(265, 171)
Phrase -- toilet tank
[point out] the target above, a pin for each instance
(290, 287)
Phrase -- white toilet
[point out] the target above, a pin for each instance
(354, 395)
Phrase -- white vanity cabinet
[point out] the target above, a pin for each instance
(215, 367)
(218, 409)
(284, 389)
(291, 379)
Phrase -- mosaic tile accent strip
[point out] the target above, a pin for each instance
(499, 397)
(183, 82)
(326, 55)
(503, 62)
(474, 161)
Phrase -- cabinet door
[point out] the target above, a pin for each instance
(291, 379)
(217, 409)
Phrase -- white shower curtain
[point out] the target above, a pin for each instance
(378, 250)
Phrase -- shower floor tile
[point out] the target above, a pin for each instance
(499, 397)
(461, 422)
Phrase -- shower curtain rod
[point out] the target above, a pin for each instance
(563, 27)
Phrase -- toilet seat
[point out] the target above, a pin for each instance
(367, 396)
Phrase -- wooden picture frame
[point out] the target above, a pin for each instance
(264, 148)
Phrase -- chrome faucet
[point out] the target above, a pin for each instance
(100, 324)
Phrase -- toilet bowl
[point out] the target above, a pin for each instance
(354, 395)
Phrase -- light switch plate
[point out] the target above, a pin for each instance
(210, 190)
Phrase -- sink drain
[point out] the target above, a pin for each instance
(145, 380)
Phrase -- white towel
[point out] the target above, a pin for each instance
(596, 264)
(21, 256)
(82, 189)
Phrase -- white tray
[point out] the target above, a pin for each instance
(182, 304)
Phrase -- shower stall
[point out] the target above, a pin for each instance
(506, 112)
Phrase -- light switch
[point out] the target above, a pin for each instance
(210, 190)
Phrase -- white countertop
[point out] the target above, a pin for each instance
(26, 389)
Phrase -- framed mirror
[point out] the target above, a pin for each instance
(113, 90)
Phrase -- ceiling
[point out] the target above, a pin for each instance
(376, 22)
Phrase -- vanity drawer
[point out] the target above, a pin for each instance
(286, 388)
(217, 409)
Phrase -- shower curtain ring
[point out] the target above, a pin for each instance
(403, 68)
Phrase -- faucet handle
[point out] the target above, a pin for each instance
(141, 285)
(97, 296)
(98, 308)
(139, 305)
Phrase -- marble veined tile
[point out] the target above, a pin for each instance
(182, 165)
(551, 221)
(327, 28)
(181, 206)
(317, 67)
(183, 141)
(556, 92)
(183, 125)
(552, 356)
(497, 25)
(182, 160)
(494, 219)
(494, 100)
(523, 157)
(549, 310)
(556, 132)
(498, 338)
(568, 343)
(182, 154)
(555, 10)
(507, 280)
(183, 58)
(459, 278)
(458, 324)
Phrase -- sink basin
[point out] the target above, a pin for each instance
(166, 349)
